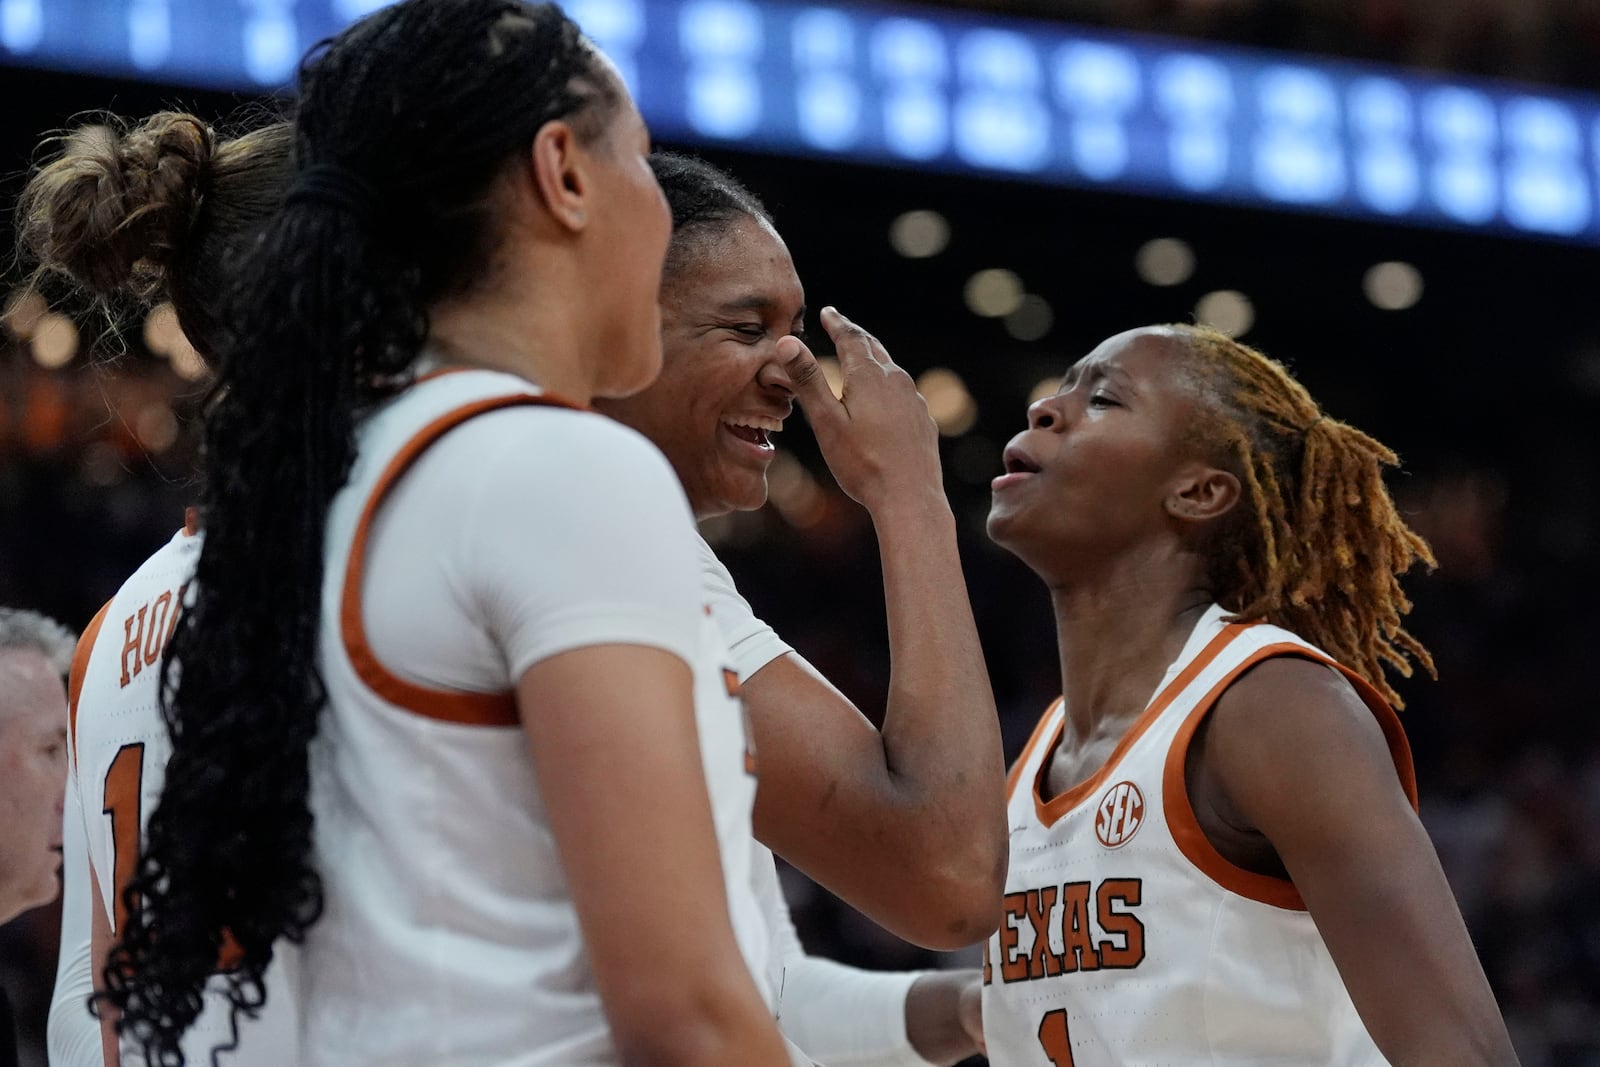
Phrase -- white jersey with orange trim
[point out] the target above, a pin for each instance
(484, 528)
(1126, 937)
(119, 757)
(839, 1016)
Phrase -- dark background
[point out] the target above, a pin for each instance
(1489, 388)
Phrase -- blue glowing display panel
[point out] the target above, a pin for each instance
(983, 94)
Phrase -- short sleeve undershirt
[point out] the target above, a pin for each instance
(522, 534)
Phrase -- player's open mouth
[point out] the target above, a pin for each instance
(756, 429)
(1019, 462)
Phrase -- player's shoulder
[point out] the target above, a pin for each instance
(174, 561)
(569, 428)
(714, 573)
(560, 454)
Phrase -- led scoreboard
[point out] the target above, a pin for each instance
(949, 90)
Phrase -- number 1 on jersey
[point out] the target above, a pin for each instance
(124, 779)
(1053, 1036)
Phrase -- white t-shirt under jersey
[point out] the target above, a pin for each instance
(840, 1016)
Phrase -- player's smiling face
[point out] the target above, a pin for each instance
(723, 394)
(1091, 474)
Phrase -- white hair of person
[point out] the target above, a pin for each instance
(23, 630)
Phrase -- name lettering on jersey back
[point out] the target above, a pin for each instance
(146, 632)
(1077, 926)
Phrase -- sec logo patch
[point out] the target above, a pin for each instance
(1120, 814)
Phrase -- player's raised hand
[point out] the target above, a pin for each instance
(878, 438)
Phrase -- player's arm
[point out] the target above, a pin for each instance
(73, 1034)
(944, 1016)
(849, 1017)
(598, 622)
(101, 938)
(612, 733)
(1299, 757)
(906, 824)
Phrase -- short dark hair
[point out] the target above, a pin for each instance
(705, 200)
(404, 125)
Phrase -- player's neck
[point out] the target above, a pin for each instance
(1116, 637)
(523, 333)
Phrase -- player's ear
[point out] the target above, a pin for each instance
(558, 173)
(1201, 493)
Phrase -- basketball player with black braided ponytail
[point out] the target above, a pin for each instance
(450, 809)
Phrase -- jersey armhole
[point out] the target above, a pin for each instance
(454, 706)
(75, 677)
(1185, 827)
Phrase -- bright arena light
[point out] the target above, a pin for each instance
(23, 311)
(994, 293)
(165, 338)
(1393, 286)
(1047, 387)
(1032, 320)
(951, 406)
(832, 373)
(919, 234)
(1227, 311)
(1165, 261)
(187, 363)
(162, 334)
(157, 428)
(55, 341)
(794, 492)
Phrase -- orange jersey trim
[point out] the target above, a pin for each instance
(473, 709)
(80, 668)
(1185, 828)
(1039, 733)
(1050, 811)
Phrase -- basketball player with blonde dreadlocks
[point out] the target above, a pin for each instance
(1230, 870)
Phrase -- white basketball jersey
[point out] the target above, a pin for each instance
(449, 933)
(120, 750)
(1126, 937)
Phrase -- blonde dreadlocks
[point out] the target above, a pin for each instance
(1319, 548)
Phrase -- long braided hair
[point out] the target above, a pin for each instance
(1317, 546)
(416, 112)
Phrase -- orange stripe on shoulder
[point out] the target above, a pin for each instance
(1039, 733)
(1185, 827)
(473, 709)
(80, 667)
(1051, 811)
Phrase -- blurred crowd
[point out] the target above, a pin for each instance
(1507, 745)
(1529, 40)
(96, 468)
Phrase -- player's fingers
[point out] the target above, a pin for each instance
(854, 344)
(810, 384)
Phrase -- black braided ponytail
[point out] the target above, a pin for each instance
(414, 112)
